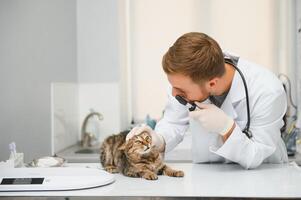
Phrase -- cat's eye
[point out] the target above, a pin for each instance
(138, 142)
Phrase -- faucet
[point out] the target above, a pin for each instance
(86, 137)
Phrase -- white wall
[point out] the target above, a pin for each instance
(97, 41)
(99, 63)
(103, 98)
(248, 28)
(287, 47)
(298, 58)
(154, 26)
(37, 47)
(64, 115)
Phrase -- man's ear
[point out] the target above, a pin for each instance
(212, 83)
(122, 147)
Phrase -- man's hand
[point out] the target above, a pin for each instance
(157, 139)
(213, 119)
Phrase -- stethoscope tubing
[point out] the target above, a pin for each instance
(246, 130)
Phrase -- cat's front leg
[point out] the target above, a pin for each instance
(171, 172)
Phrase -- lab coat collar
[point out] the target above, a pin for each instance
(237, 90)
(236, 93)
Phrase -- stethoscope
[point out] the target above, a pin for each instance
(192, 106)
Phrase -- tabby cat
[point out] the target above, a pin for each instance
(135, 157)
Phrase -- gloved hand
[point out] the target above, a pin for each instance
(157, 139)
(212, 118)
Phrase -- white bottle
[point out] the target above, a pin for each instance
(18, 158)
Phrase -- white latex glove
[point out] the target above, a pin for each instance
(212, 118)
(157, 139)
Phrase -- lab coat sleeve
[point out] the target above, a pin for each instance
(265, 128)
(173, 124)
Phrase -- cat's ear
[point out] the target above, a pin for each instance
(122, 147)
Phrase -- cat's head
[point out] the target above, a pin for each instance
(138, 144)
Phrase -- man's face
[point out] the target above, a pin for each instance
(185, 87)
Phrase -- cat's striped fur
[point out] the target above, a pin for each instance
(135, 157)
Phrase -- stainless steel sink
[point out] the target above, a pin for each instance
(78, 154)
(87, 151)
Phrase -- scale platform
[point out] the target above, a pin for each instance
(52, 179)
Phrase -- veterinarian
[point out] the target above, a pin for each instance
(239, 105)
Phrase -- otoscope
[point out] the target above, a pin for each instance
(191, 105)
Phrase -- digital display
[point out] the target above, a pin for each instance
(21, 181)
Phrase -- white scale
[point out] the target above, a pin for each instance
(52, 179)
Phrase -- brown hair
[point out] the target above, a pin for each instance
(195, 55)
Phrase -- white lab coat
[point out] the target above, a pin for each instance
(267, 107)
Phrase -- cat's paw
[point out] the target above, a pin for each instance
(131, 174)
(173, 173)
(178, 173)
(150, 176)
(111, 169)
